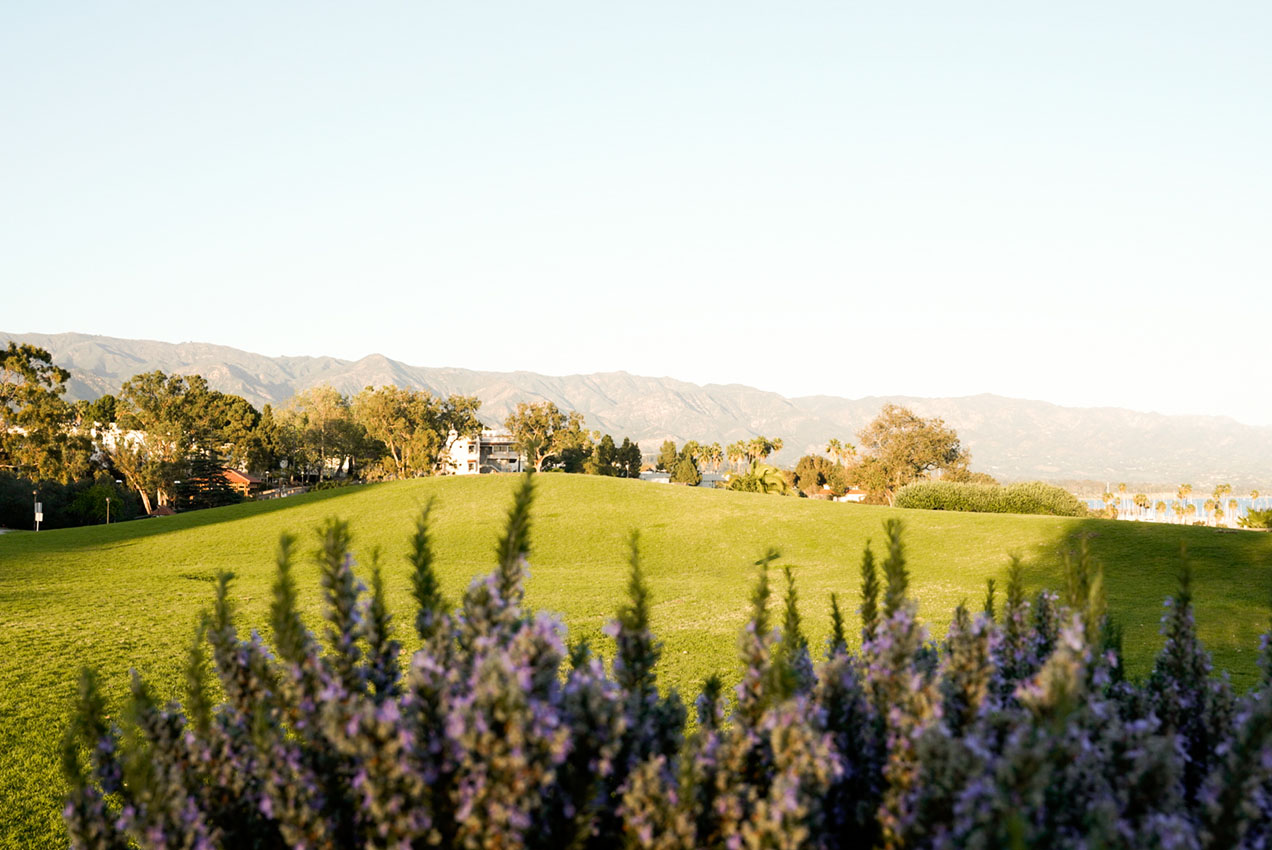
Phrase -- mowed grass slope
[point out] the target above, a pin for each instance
(129, 595)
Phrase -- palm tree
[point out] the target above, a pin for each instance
(840, 450)
(1185, 490)
(1210, 508)
(1121, 494)
(1178, 508)
(1141, 503)
(715, 456)
(1191, 510)
(1159, 508)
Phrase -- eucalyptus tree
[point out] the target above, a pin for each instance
(416, 428)
(543, 433)
(37, 439)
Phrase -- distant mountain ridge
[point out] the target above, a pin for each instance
(1009, 438)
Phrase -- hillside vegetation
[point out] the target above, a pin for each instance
(1031, 497)
(129, 594)
(1008, 438)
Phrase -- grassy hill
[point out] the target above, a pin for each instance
(128, 595)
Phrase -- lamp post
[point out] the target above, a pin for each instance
(108, 510)
(35, 508)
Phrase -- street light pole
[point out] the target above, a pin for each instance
(108, 510)
(35, 507)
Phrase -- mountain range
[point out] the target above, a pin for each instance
(1011, 439)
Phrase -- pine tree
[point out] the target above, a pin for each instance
(686, 472)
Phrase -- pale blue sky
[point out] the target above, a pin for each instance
(1068, 202)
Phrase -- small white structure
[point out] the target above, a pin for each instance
(853, 495)
(489, 451)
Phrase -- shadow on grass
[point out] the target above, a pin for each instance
(97, 536)
(1231, 586)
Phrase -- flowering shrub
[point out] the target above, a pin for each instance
(1015, 730)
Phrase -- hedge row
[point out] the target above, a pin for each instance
(1031, 497)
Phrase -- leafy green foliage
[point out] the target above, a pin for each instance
(668, 456)
(1257, 519)
(686, 472)
(36, 439)
(900, 447)
(761, 478)
(1032, 497)
(413, 426)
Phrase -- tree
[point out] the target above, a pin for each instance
(628, 459)
(324, 423)
(98, 412)
(902, 447)
(668, 457)
(205, 485)
(36, 436)
(810, 473)
(415, 427)
(963, 475)
(542, 432)
(161, 407)
(840, 451)
(761, 478)
(686, 471)
(758, 448)
(604, 458)
(736, 452)
(1142, 502)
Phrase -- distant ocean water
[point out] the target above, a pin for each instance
(1126, 507)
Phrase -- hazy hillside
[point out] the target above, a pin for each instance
(1010, 438)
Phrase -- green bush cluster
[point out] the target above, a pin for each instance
(1030, 497)
(1256, 519)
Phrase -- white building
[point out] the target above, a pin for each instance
(490, 451)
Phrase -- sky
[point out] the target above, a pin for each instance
(1069, 202)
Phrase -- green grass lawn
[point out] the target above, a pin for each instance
(128, 595)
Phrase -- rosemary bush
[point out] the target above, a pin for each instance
(1015, 730)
